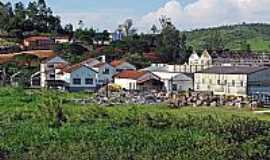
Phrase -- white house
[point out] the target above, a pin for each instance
(233, 80)
(138, 80)
(121, 65)
(173, 81)
(49, 70)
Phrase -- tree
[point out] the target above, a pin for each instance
(246, 47)
(214, 41)
(68, 29)
(154, 29)
(171, 44)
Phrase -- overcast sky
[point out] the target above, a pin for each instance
(186, 14)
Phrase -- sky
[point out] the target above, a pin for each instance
(185, 14)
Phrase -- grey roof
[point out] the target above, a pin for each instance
(156, 69)
(234, 69)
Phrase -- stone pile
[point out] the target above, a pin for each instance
(196, 99)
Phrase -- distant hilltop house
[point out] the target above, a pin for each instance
(38, 43)
(233, 80)
(118, 35)
(138, 80)
(63, 39)
(44, 42)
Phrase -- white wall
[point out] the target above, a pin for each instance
(128, 84)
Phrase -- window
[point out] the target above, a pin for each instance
(225, 82)
(218, 82)
(174, 87)
(89, 81)
(233, 83)
(50, 66)
(203, 81)
(77, 81)
(242, 83)
(52, 76)
(130, 86)
(210, 81)
(106, 71)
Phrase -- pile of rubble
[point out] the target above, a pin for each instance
(196, 99)
(118, 98)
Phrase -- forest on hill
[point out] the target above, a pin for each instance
(255, 37)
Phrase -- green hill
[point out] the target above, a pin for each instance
(233, 37)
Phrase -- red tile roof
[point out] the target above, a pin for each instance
(116, 63)
(69, 69)
(153, 57)
(130, 74)
(36, 38)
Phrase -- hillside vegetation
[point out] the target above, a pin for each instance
(234, 37)
(37, 125)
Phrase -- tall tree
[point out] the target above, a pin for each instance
(170, 43)
(214, 41)
(154, 29)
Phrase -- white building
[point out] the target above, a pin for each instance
(49, 70)
(138, 80)
(233, 80)
(195, 63)
(173, 81)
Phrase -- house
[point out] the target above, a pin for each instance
(195, 63)
(38, 43)
(105, 72)
(173, 81)
(233, 80)
(62, 39)
(80, 77)
(118, 35)
(121, 65)
(49, 70)
(138, 80)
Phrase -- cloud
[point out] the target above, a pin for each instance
(205, 13)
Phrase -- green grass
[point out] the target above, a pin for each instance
(257, 35)
(28, 130)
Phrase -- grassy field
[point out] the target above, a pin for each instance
(257, 35)
(40, 125)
